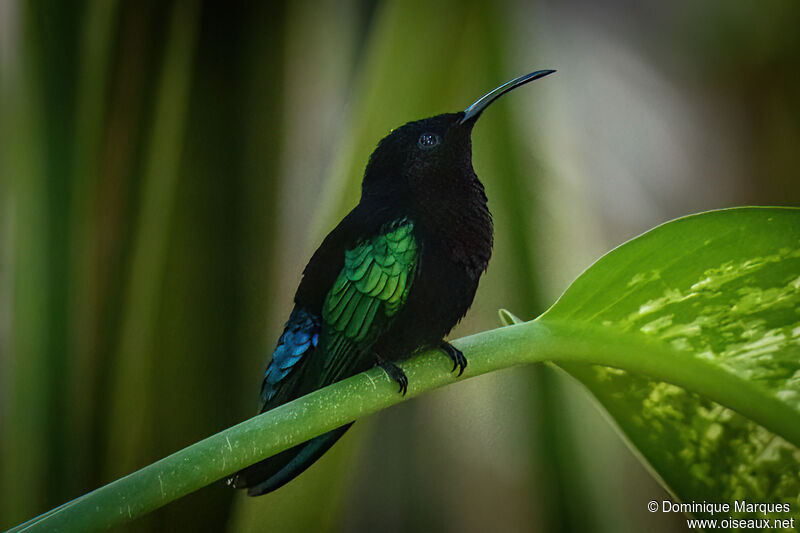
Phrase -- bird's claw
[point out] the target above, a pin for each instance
(459, 361)
(394, 372)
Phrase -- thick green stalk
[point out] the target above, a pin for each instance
(215, 457)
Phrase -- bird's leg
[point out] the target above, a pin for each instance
(459, 361)
(394, 372)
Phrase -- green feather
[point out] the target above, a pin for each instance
(357, 321)
(341, 304)
(370, 289)
(371, 280)
(360, 269)
(390, 288)
(378, 287)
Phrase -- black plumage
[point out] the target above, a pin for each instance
(397, 273)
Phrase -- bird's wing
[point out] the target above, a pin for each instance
(367, 295)
(315, 350)
(369, 291)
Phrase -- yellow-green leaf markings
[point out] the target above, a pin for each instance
(723, 288)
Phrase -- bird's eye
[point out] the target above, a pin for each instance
(428, 140)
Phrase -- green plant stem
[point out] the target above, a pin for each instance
(262, 436)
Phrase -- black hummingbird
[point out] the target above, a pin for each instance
(397, 273)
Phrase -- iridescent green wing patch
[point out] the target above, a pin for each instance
(374, 283)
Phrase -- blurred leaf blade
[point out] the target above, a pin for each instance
(723, 288)
(131, 409)
(25, 407)
(91, 101)
(507, 158)
(400, 78)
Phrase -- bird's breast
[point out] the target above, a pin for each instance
(461, 238)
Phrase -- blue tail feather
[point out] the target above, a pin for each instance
(295, 348)
(297, 342)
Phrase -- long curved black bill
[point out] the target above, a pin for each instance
(473, 111)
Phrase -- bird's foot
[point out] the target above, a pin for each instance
(394, 372)
(459, 361)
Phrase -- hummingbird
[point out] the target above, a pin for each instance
(393, 277)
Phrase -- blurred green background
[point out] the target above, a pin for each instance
(167, 168)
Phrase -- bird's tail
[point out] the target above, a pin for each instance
(276, 471)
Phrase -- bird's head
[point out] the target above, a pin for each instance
(427, 160)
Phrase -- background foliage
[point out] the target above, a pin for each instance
(166, 168)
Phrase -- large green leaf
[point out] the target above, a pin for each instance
(720, 291)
